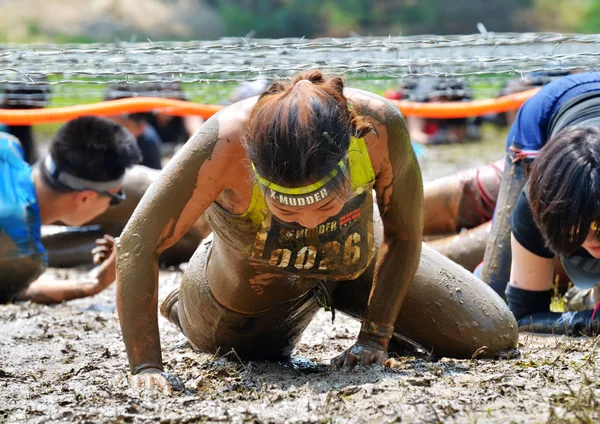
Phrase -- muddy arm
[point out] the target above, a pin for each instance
(465, 248)
(532, 311)
(497, 256)
(47, 290)
(50, 290)
(399, 191)
(186, 187)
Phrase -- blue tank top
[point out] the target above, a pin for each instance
(19, 211)
(532, 123)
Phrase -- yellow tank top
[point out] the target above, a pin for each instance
(341, 248)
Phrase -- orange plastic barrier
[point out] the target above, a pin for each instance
(445, 110)
(108, 108)
(440, 110)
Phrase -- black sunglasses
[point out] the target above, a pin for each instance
(115, 198)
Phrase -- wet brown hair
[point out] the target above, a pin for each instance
(564, 188)
(299, 130)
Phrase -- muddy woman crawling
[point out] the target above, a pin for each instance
(286, 181)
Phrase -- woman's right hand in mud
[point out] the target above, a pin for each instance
(154, 379)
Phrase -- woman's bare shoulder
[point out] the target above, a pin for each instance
(372, 105)
(389, 127)
(223, 132)
(233, 120)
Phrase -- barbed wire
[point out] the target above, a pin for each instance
(234, 60)
(415, 41)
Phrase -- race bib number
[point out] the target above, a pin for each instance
(342, 245)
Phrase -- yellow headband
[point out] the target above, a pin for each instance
(296, 191)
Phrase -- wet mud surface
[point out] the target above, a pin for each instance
(67, 363)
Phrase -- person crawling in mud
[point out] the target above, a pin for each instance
(558, 213)
(286, 181)
(551, 215)
(77, 181)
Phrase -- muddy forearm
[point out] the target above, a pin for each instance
(399, 261)
(137, 289)
(137, 304)
(166, 212)
(399, 190)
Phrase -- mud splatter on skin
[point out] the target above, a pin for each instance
(462, 200)
(465, 313)
(152, 228)
(447, 310)
(399, 190)
(474, 317)
(497, 258)
(466, 248)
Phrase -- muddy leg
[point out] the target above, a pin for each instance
(170, 308)
(442, 200)
(18, 268)
(447, 309)
(497, 258)
(17, 275)
(466, 248)
(212, 327)
(464, 200)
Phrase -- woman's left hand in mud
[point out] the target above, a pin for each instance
(362, 354)
(105, 256)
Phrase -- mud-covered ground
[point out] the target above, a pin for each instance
(67, 363)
